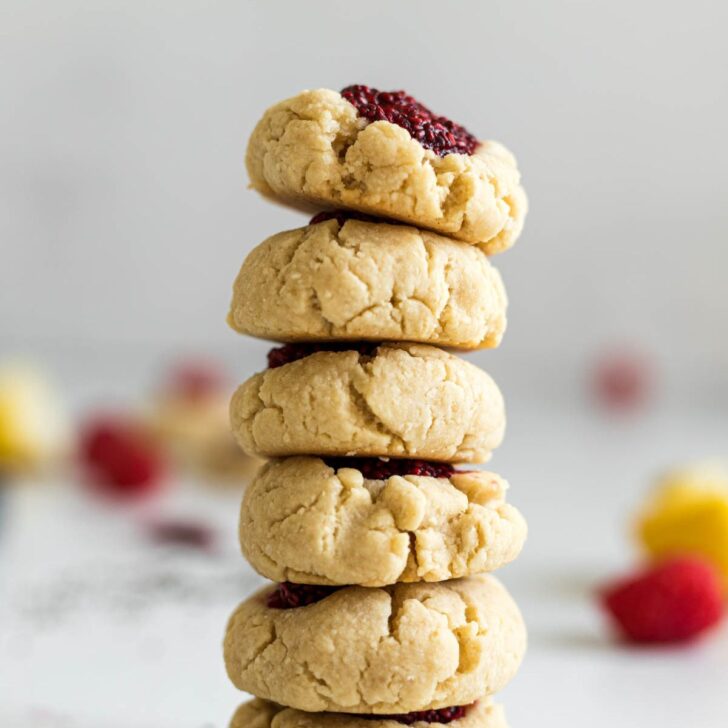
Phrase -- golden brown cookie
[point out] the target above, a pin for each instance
(398, 649)
(262, 714)
(352, 280)
(310, 522)
(317, 150)
(396, 401)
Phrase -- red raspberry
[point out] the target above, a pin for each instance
(441, 715)
(376, 469)
(118, 459)
(288, 595)
(430, 130)
(672, 602)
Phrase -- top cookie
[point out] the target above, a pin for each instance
(386, 155)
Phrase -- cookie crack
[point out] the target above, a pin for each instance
(329, 541)
(258, 653)
(282, 275)
(413, 552)
(371, 418)
(302, 509)
(321, 687)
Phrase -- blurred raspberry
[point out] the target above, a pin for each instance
(622, 381)
(674, 601)
(182, 532)
(196, 379)
(118, 459)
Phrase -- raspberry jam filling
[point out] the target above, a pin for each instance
(287, 595)
(288, 353)
(341, 216)
(377, 469)
(433, 132)
(443, 715)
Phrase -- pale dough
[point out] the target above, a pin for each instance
(369, 281)
(396, 649)
(404, 401)
(305, 522)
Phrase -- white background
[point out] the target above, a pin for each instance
(123, 127)
(124, 216)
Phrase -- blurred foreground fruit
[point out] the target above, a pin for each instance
(622, 380)
(674, 601)
(195, 380)
(189, 418)
(688, 514)
(186, 532)
(118, 459)
(33, 430)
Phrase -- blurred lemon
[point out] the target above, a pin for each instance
(32, 427)
(688, 514)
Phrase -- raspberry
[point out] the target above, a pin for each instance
(118, 459)
(622, 380)
(376, 469)
(287, 595)
(291, 352)
(442, 715)
(672, 602)
(433, 132)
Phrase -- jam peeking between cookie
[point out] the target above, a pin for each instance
(288, 353)
(288, 595)
(442, 715)
(341, 216)
(378, 469)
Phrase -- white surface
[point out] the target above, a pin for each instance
(134, 640)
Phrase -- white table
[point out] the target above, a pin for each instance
(101, 629)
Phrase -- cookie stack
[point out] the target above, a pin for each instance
(383, 612)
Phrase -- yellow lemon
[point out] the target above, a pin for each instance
(32, 428)
(688, 514)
